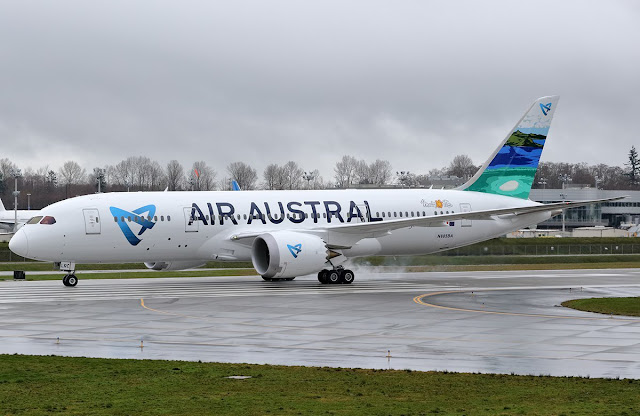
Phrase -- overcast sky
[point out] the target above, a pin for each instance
(413, 82)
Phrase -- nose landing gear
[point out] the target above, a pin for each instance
(336, 276)
(70, 267)
(70, 280)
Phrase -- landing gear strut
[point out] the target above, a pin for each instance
(70, 280)
(336, 276)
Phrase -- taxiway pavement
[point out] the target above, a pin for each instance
(493, 322)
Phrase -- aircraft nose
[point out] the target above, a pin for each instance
(19, 243)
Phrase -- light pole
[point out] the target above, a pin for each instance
(543, 182)
(29, 201)
(308, 176)
(16, 173)
(563, 196)
(403, 177)
(99, 178)
(564, 178)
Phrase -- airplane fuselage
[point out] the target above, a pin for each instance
(202, 226)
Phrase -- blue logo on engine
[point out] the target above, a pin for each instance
(295, 250)
(545, 108)
(126, 219)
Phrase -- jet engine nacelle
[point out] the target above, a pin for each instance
(173, 265)
(284, 254)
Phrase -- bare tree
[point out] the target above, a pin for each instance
(71, 174)
(123, 173)
(243, 174)
(202, 177)
(6, 167)
(345, 171)
(292, 175)
(175, 175)
(271, 177)
(380, 172)
(462, 166)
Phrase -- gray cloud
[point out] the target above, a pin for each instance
(413, 82)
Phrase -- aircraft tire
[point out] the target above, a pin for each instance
(347, 277)
(72, 280)
(65, 280)
(333, 277)
(322, 276)
(268, 279)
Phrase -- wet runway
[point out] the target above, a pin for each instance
(495, 322)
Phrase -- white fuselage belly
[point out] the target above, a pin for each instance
(73, 239)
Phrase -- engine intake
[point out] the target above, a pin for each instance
(285, 254)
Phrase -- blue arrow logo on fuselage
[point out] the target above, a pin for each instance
(295, 250)
(122, 216)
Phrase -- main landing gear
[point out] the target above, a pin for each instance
(70, 280)
(336, 276)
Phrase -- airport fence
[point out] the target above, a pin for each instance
(543, 250)
(7, 255)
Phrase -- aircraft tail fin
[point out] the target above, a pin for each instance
(511, 168)
(2, 208)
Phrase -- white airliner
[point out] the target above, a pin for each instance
(293, 233)
(8, 218)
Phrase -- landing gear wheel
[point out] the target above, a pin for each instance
(347, 276)
(70, 280)
(333, 276)
(322, 276)
(268, 279)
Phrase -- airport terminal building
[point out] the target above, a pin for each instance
(608, 214)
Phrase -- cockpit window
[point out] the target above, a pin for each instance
(48, 220)
(34, 220)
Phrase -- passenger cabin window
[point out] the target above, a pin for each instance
(48, 220)
(34, 220)
(168, 217)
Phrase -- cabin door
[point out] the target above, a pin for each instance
(190, 220)
(91, 221)
(465, 208)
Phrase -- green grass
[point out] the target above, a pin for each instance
(74, 386)
(609, 306)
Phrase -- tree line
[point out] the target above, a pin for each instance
(45, 185)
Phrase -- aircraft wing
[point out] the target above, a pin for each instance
(471, 215)
(345, 235)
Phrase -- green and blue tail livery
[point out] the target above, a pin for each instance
(512, 166)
